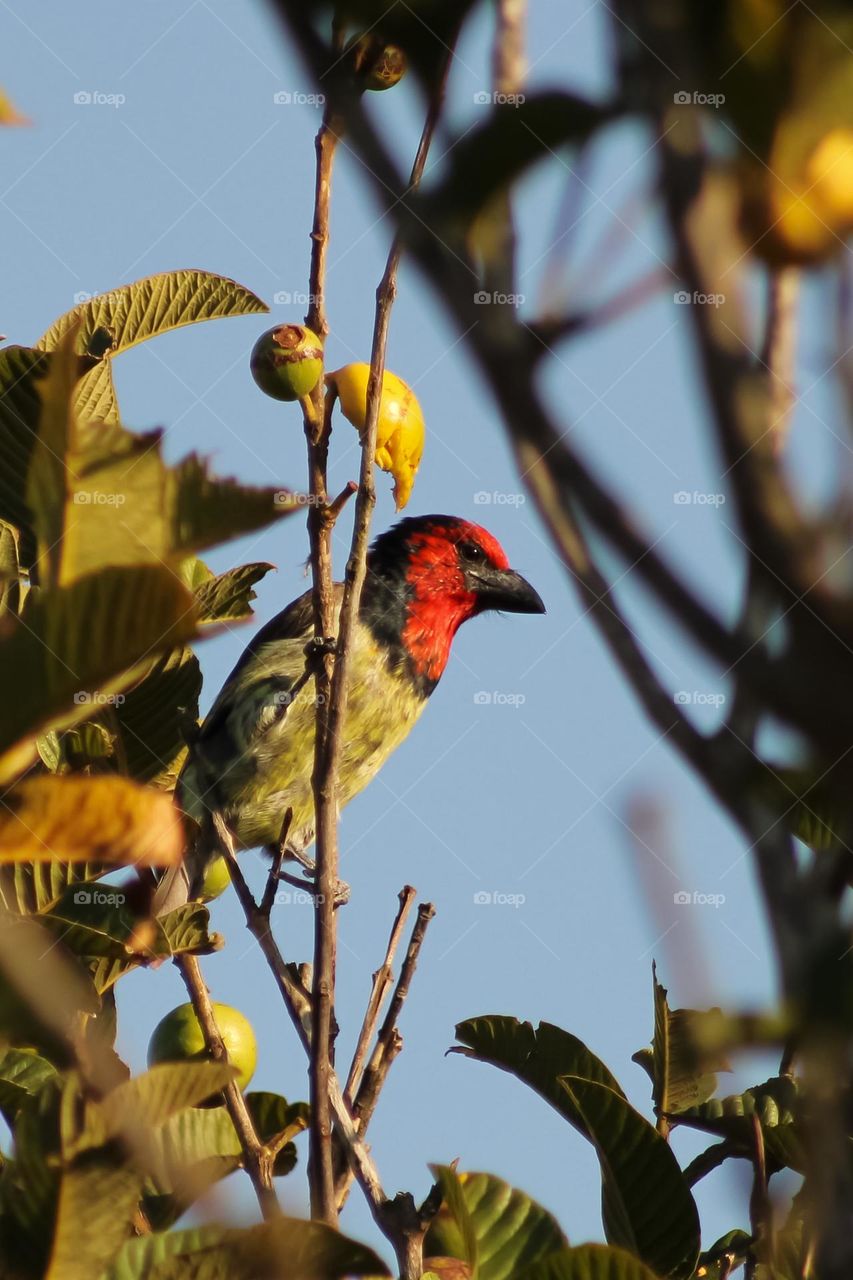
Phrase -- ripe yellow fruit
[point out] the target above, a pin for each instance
(801, 212)
(179, 1038)
(400, 427)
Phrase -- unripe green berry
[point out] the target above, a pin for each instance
(377, 64)
(287, 361)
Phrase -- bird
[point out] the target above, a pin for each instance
(252, 759)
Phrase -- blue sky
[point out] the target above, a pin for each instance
(528, 794)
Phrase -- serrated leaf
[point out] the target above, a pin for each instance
(135, 312)
(510, 1230)
(107, 820)
(124, 505)
(97, 1200)
(588, 1262)
(228, 597)
(80, 643)
(285, 1246)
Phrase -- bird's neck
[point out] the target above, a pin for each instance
(415, 627)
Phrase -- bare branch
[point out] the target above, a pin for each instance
(256, 1159)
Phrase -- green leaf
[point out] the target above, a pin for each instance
(10, 569)
(199, 1140)
(683, 1074)
(455, 1205)
(124, 505)
(23, 1074)
(182, 931)
(725, 1255)
(97, 1200)
(136, 312)
(776, 1104)
(284, 1247)
(47, 481)
(228, 596)
(507, 1230)
(28, 888)
(157, 717)
(20, 408)
(277, 1122)
(143, 1104)
(538, 1057)
(588, 1262)
(646, 1203)
(82, 642)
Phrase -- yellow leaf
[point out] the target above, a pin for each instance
(73, 819)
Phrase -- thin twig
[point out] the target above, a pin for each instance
(382, 980)
(256, 1159)
(388, 1045)
(779, 354)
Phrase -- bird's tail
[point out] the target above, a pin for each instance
(182, 883)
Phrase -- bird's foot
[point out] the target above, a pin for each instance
(308, 883)
(319, 646)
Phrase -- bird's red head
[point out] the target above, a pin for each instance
(429, 574)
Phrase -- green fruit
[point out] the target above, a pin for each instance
(216, 879)
(377, 64)
(179, 1038)
(287, 362)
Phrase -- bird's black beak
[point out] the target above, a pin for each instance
(504, 589)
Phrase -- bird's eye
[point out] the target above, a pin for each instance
(471, 551)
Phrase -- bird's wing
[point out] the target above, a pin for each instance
(257, 695)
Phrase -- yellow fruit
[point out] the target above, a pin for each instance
(216, 879)
(179, 1038)
(801, 212)
(400, 428)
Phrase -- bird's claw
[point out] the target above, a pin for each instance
(319, 646)
(309, 883)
